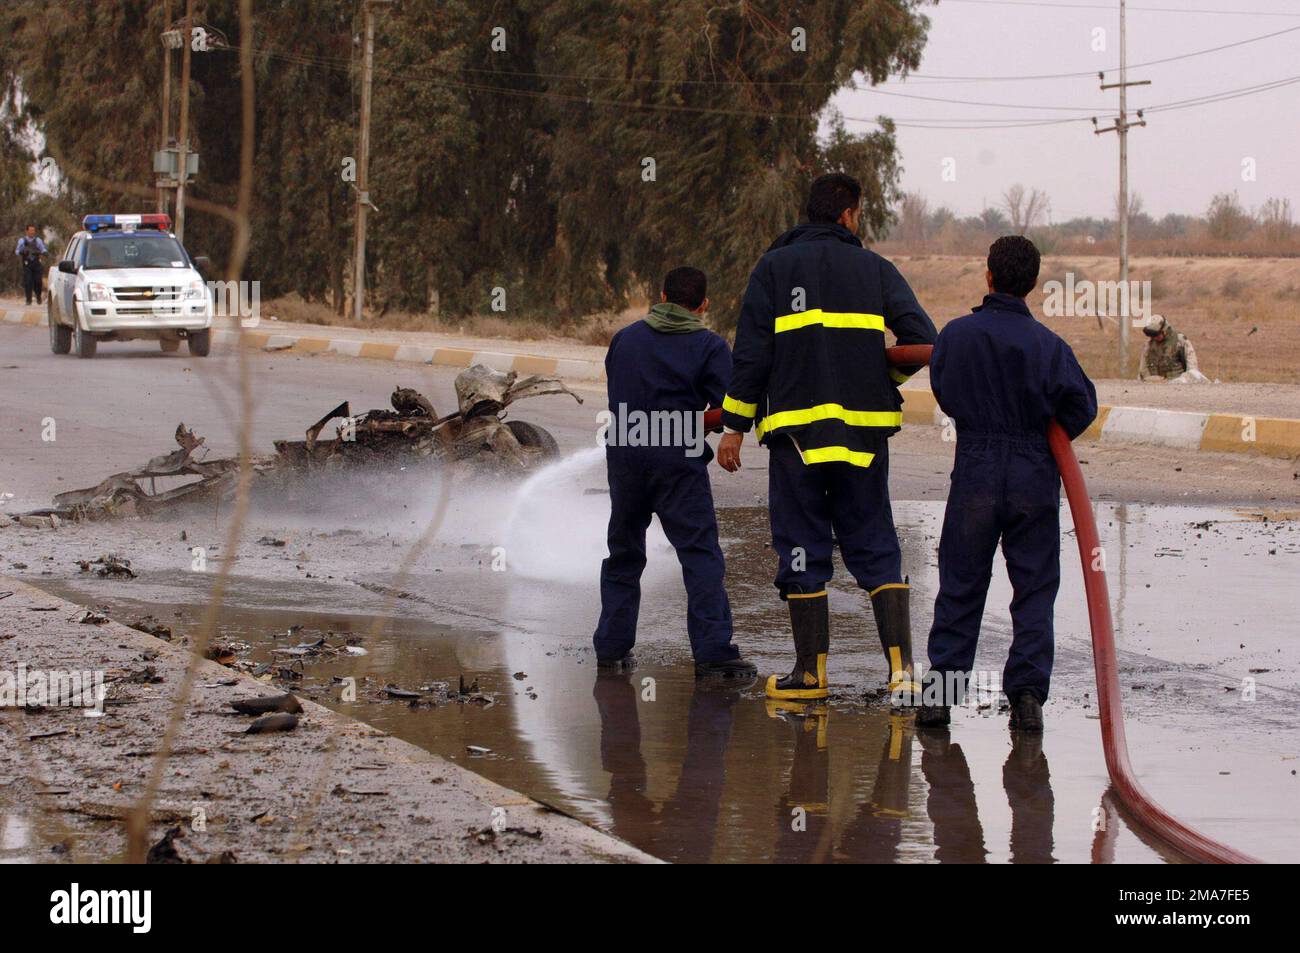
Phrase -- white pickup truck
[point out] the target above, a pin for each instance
(123, 278)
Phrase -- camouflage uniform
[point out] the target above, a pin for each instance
(1171, 356)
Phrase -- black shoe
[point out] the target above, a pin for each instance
(731, 668)
(624, 664)
(933, 716)
(1026, 713)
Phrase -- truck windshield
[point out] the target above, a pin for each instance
(134, 251)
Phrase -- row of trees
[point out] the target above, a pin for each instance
(564, 151)
(1227, 226)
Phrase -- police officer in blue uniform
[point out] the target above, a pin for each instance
(811, 379)
(1002, 377)
(30, 251)
(662, 372)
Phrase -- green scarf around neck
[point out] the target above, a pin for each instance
(669, 318)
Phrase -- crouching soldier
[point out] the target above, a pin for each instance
(662, 372)
(1002, 377)
(1168, 354)
(812, 379)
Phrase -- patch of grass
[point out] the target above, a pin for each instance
(1233, 287)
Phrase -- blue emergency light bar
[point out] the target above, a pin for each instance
(155, 220)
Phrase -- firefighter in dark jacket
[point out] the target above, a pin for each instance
(1002, 376)
(662, 372)
(810, 376)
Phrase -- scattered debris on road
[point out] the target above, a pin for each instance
(475, 434)
(283, 721)
(110, 564)
(286, 703)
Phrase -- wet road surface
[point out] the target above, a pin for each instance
(706, 771)
(1204, 601)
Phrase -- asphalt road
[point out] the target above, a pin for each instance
(121, 408)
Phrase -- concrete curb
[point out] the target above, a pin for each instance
(1119, 426)
(28, 317)
(523, 364)
(1148, 426)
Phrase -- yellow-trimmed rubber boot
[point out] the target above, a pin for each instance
(810, 622)
(890, 603)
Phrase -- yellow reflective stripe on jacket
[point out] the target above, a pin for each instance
(838, 320)
(854, 418)
(734, 406)
(858, 458)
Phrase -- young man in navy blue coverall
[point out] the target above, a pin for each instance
(663, 371)
(1002, 377)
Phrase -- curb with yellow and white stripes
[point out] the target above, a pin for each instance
(1151, 427)
(1128, 426)
(524, 364)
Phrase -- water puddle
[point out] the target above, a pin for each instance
(1204, 605)
(695, 771)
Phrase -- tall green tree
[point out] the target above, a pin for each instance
(566, 151)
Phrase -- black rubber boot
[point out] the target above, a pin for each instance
(731, 668)
(894, 623)
(933, 716)
(810, 622)
(1026, 713)
(613, 665)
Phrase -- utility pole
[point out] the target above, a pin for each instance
(1121, 127)
(183, 138)
(363, 162)
(166, 97)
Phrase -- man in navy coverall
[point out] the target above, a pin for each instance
(663, 371)
(1002, 376)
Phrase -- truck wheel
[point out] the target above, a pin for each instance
(533, 437)
(200, 342)
(60, 334)
(84, 344)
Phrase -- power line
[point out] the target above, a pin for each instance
(1089, 73)
(1223, 96)
(584, 78)
(955, 123)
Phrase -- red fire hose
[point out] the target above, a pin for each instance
(1143, 809)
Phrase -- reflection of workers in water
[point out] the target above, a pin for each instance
(684, 827)
(950, 803)
(1168, 354)
(802, 814)
(1028, 783)
(1002, 377)
(874, 836)
(958, 833)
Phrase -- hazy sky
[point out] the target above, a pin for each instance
(1176, 163)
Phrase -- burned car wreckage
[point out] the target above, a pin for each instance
(476, 435)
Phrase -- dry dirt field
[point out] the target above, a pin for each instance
(1243, 314)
